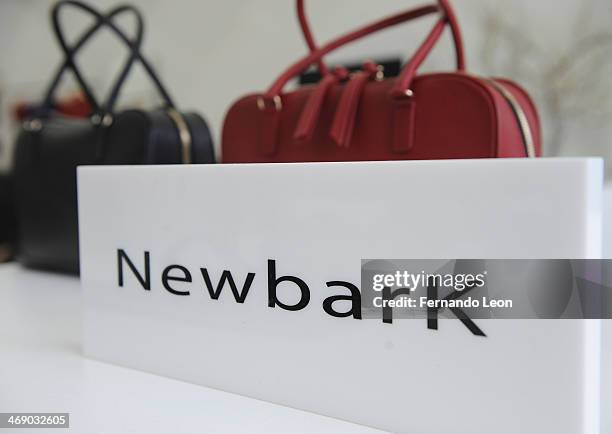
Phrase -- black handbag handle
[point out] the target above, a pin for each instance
(70, 51)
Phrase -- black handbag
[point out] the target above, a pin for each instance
(51, 146)
(8, 225)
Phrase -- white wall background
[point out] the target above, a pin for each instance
(211, 52)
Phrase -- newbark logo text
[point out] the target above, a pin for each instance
(215, 282)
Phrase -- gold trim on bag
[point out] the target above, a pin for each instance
(184, 134)
(521, 117)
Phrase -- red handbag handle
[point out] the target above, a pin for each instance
(444, 6)
(305, 26)
(453, 23)
(402, 87)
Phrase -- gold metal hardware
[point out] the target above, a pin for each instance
(278, 103)
(33, 125)
(380, 73)
(521, 117)
(105, 120)
(184, 134)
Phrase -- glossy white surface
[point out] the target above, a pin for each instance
(607, 327)
(318, 221)
(42, 369)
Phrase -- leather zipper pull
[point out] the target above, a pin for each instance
(312, 110)
(346, 114)
(403, 122)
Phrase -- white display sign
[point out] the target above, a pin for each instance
(222, 275)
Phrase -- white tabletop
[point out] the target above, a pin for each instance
(42, 370)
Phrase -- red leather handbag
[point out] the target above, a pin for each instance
(363, 116)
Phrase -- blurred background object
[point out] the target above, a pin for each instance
(391, 68)
(569, 75)
(73, 105)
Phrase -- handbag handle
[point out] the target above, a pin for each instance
(444, 6)
(271, 99)
(70, 52)
(270, 104)
(133, 45)
(307, 32)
